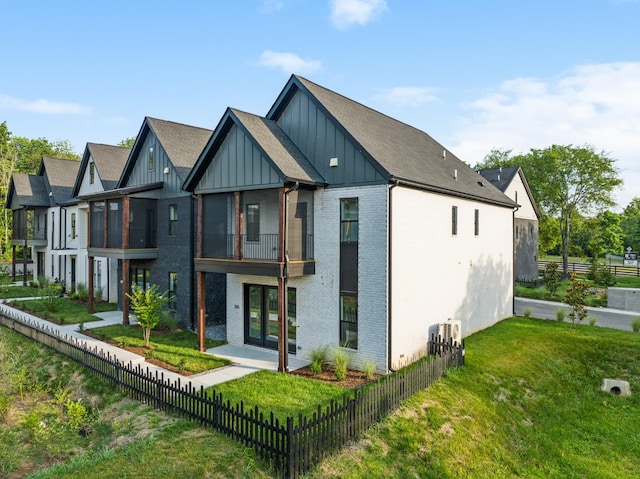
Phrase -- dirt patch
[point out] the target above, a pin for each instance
(354, 379)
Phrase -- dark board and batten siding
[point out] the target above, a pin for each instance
(319, 139)
(141, 174)
(238, 164)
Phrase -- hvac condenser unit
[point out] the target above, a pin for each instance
(452, 329)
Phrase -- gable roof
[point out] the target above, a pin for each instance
(59, 176)
(182, 143)
(407, 154)
(503, 176)
(266, 135)
(29, 189)
(109, 161)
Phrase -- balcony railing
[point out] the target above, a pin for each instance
(256, 247)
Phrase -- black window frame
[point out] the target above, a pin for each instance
(476, 222)
(252, 219)
(454, 220)
(173, 219)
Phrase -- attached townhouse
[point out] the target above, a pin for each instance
(44, 215)
(100, 169)
(338, 226)
(513, 183)
(145, 225)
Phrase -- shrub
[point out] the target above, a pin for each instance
(600, 273)
(318, 360)
(97, 294)
(551, 277)
(369, 369)
(81, 294)
(168, 322)
(560, 314)
(635, 325)
(340, 363)
(577, 292)
(527, 312)
(592, 320)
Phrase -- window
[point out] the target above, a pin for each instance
(92, 172)
(98, 270)
(173, 288)
(349, 237)
(150, 157)
(173, 220)
(349, 220)
(74, 232)
(454, 220)
(140, 276)
(476, 222)
(253, 222)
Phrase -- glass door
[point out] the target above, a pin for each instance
(261, 316)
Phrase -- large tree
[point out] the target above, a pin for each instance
(565, 180)
(630, 225)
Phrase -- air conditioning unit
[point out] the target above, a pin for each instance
(452, 329)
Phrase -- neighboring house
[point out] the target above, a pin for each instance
(43, 212)
(512, 182)
(28, 200)
(337, 225)
(100, 170)
(146, 223)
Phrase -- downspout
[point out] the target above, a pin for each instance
(513, 267)
(389, 275)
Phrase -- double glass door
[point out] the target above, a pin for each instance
(261, 316)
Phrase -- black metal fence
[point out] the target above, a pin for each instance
(291, 447)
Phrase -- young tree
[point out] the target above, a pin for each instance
(551, 277)
(147, 306)
(577, 292)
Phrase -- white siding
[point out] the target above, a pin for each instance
(86, 186)
(437, 276)
(517, 192)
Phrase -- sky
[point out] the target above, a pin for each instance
(476, 76)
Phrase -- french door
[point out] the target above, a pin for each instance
(261, 316)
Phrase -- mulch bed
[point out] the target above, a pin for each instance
(354, 380)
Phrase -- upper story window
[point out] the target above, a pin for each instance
(253, 222)
(74, 231)
(476, 222)
(349, 220)
(454, 220)
(92, 173)
(173, 220)
(150, 158)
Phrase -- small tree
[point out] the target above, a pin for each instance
(577, 292)
(147, 306)
(551, 277)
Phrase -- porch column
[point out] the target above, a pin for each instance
(283, 339)
(237, 237)
(202, 310)
(126, 289)
(13, 263)
(24, 263)
(92, 308)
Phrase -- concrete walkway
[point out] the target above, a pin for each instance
(245, 359)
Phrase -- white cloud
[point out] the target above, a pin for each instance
(596, 104)
(408, 96)
(42, 106)
(288, 62)
(345, 13)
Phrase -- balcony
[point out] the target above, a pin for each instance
(29, 226)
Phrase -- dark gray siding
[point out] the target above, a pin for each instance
(526, 249)
(238, 164)
(142, 175)
(319, 140)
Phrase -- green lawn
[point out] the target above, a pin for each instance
(10, 292)
(176, 348)
(527, 404)
(63, 311)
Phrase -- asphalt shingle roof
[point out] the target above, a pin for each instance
(109, 161)
(60, 174)
(405, 152)
(31, 190)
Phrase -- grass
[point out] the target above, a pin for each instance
(10, 292)
(596, 298)
(527, 404)
(288, 395)
(64, 311)
(176, 348)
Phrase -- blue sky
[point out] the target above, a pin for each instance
(474, 75)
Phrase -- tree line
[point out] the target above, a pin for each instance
(573, 187)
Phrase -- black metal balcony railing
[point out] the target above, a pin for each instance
(256, 247)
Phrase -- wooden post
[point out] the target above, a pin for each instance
(202, 310)
(92, 308)
(126, 289)
(283, 340)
